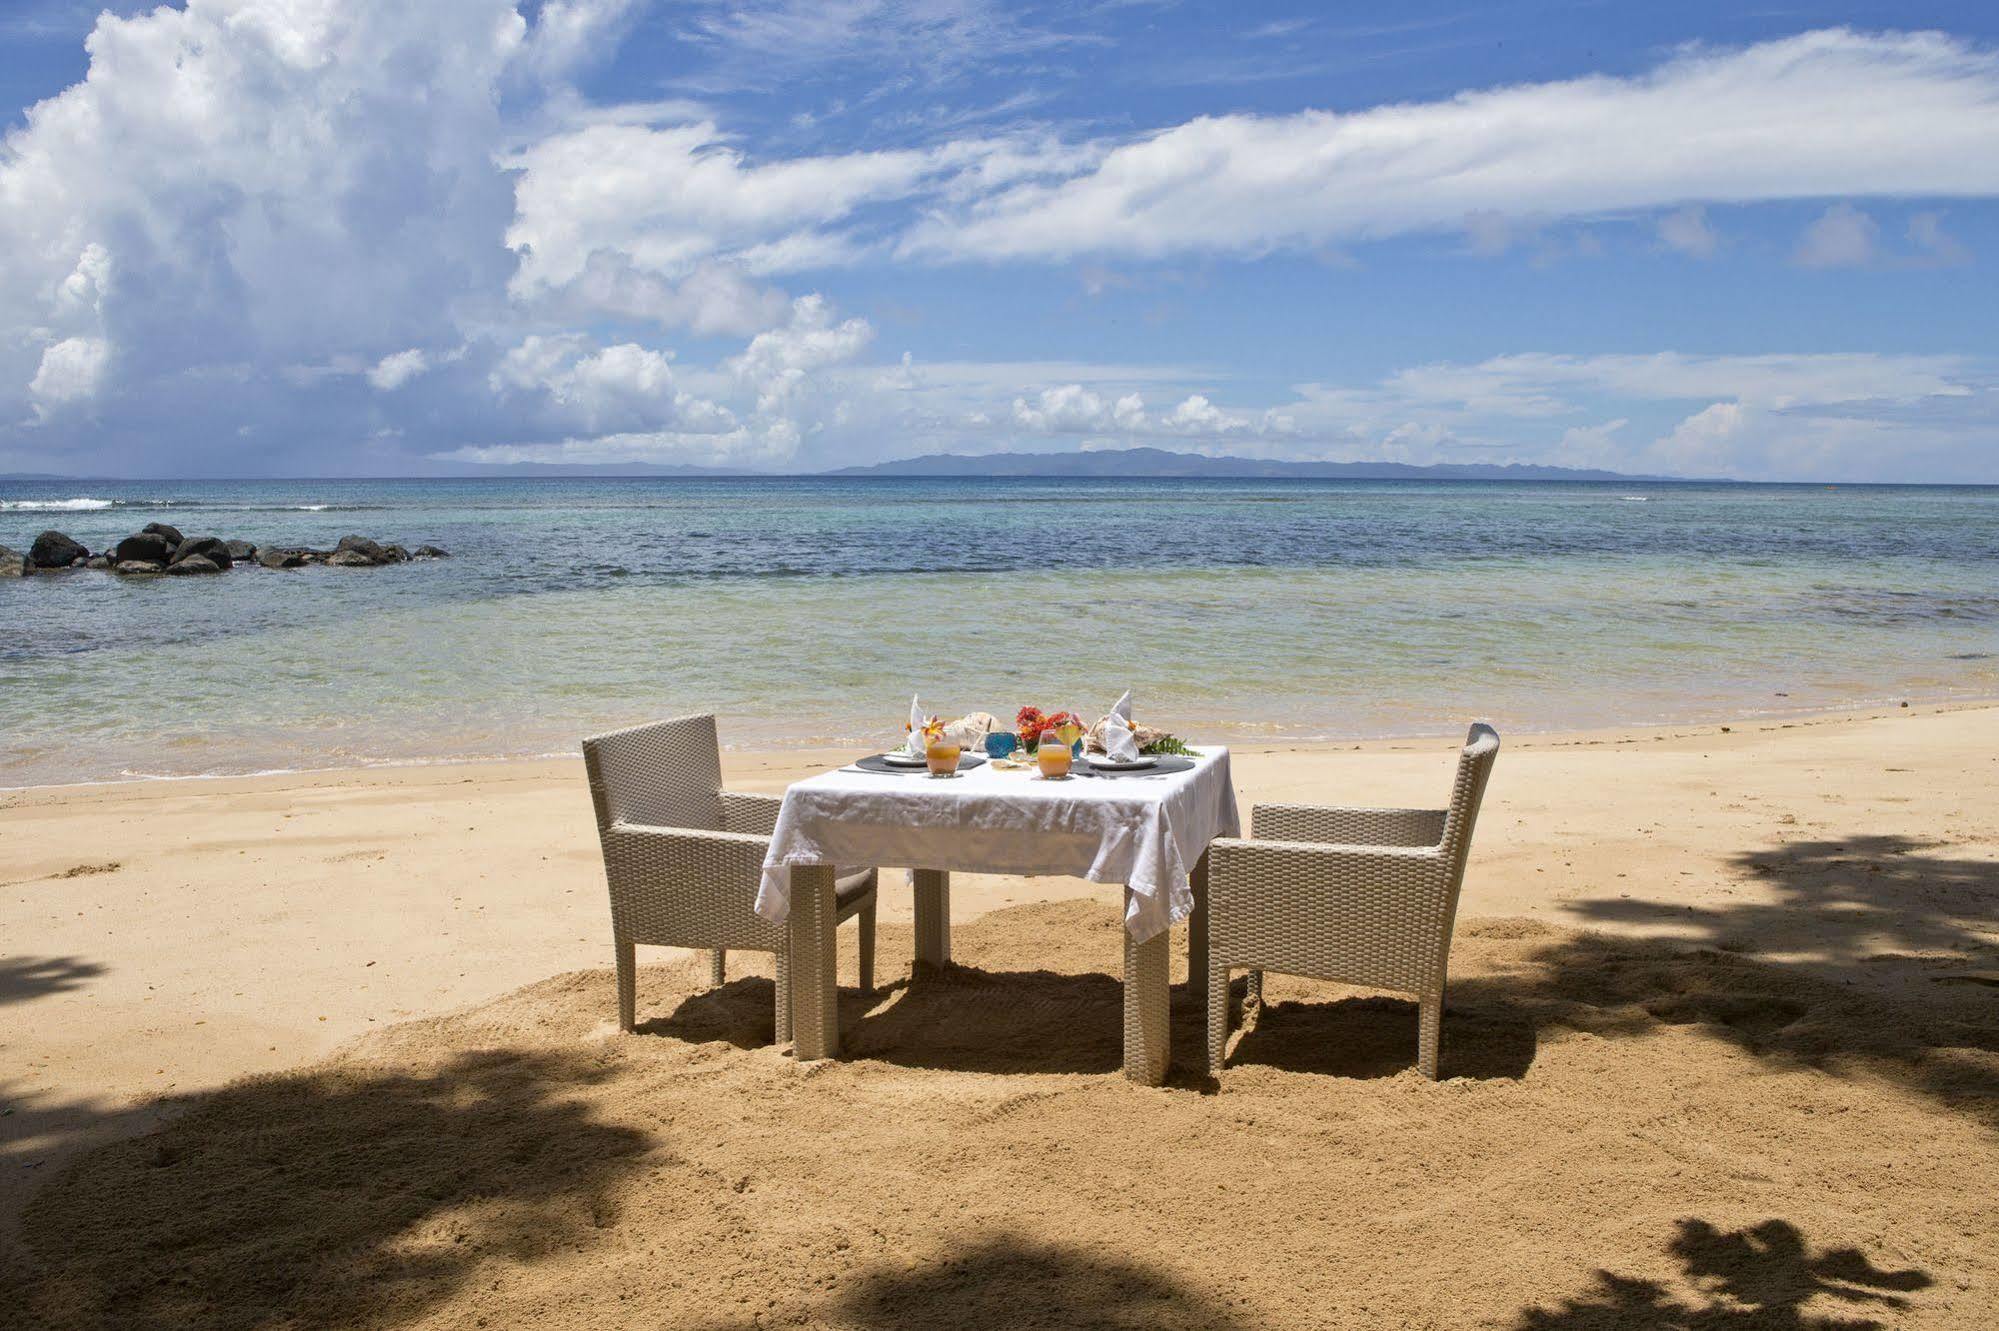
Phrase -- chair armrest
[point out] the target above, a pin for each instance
(684, 852)
(1326, 825)
(756, 814)
(1310, 865)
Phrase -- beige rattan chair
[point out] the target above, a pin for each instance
(684, 857)
(1358, 896)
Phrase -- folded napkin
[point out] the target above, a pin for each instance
(1120, 745)
(916, 743)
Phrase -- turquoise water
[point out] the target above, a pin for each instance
(806, 611)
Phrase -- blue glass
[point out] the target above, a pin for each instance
(1001, 744)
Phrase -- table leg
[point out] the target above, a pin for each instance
(1197, 928)
(933, 916)
(815, 1012)
(1147, 1006)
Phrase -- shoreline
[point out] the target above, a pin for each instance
(816, 748)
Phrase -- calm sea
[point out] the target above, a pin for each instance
(806, 611)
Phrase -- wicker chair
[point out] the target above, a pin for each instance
(1358, 896)
(683, 856)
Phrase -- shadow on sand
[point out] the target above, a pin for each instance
(1755, 1279)
(323, 1198)
(24, 979)
(1009, 1282)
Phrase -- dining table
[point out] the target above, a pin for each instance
(1145, 829)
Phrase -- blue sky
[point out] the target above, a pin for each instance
(267, 237)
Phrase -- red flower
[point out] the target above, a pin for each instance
(1028, 724)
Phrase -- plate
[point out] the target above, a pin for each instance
(1104, 761)
(904, 759)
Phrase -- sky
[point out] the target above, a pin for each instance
(378, 238)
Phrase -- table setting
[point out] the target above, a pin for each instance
(1113, 802)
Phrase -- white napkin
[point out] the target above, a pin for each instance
(915, 745)
(1120, 746)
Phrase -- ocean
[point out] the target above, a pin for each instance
(806, 611)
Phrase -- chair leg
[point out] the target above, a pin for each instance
(868, 947)
(1218, 1016)
(627, 983)
(717, 968)
(1429, 1030)
(783, 996)
(1253, 995)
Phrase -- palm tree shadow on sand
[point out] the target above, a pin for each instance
(1005, 1281)
(331, 1197)
(1754, 1279)
(1846, 972)
(24, 979)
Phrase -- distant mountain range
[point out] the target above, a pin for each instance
(1160, 462)
(1129, 463)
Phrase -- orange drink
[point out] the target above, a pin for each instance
(1052, 755)
(941, 758)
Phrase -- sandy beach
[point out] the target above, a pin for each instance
(1723, 1016)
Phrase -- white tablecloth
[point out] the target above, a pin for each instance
(1146, 833)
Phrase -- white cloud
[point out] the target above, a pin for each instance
(70, 371)
(1686, 230)
(779, 363)
(398, 368)
(568, 34)
(621, 388)
(1832, 113)
(226, 167)
(666, 200)
(1840, 237)
(1935, 244)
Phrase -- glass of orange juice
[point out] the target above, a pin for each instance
(941, 758)
(1052, 755)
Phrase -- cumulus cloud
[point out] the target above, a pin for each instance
(1686, 230)
(1840, 237)
(398, 368)
(665, 200)
(1933, 243)
(70, 371)
(252, 185)
(622, 388)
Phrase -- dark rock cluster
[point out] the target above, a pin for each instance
(161, 549)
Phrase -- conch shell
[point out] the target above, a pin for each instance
(969, 732)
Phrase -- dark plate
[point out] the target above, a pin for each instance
(874, 762)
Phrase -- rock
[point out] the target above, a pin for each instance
(432, 552)
(395, 554)
(52, 549)
(191, 564)
(13, 563)
(139, 567)
(146, 547)
(273, 558)
(98, 562)
(172, 534)
(241, 552)
(210, 548)
(344, 558)
(79, 561)
(361, 545)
